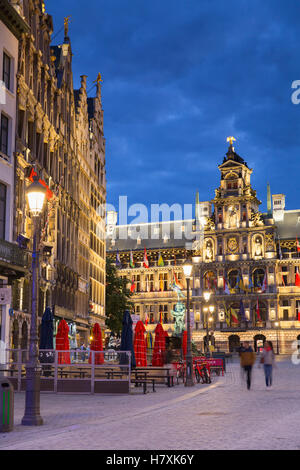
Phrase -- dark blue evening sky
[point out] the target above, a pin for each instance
(179, 76)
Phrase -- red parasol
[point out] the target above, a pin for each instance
(62, 342)
(184, 343)
(139, 344)
(96, 344)
(159, 346)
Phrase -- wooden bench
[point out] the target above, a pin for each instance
(144, 382)
(166, 375)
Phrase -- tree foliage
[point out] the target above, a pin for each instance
(117, 298)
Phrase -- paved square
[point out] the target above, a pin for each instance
(223, 415)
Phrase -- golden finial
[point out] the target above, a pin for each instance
(66, 24)
(98, 79)
(230, 139)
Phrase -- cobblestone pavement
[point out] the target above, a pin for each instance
(223, 415)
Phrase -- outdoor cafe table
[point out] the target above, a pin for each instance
(167, 373)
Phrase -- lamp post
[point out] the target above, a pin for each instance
(211, 309)
(36, 197)
(187, 269)
(277, 327)
(206, 295)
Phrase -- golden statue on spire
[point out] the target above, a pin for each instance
(66, 24)
(98, 79)
(230, 139)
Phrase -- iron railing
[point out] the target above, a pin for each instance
(11, 253)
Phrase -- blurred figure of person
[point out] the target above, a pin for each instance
(267, 358)
(247, 359)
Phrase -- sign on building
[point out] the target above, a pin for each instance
(5, 295)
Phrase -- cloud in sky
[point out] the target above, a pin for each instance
(179, 77)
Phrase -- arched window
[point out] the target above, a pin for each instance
(259, 342)
(258, 277)
(259, 314)
(234, 314)
(210, 280)
(232, 181)
(234, 343)
(233, 277)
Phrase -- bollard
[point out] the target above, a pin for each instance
(6, 405)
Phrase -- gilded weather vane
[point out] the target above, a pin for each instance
(98, 79)
(66, 24)
(230, 139)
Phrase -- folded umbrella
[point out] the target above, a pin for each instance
(140, 349)
(127, 339)
(96, 345)
(159, 346)
(62, 342)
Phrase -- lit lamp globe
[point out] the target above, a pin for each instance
(276, 324)
(206, 295)
(211, 308)
(187, 268)
(36, 194)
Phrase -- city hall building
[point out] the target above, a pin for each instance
(247, 259)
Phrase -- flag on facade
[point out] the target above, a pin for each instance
(118, 260)
(146, 319)
(297, 245)
(161, 284)
(265, 283)
(241, 284)
(149, 340)
(297, 279)
(176, 282)
(160, 318)
(146, 262)
(250, 283)
(197, 208)
(131, 262)
(257, 311)
(234, 315)
(133, 286)
(237, 284)
(298, 314)
(227, 315)
(225, 286)
(279, 248)
(160, 260)
(242, 311)
(282, 279)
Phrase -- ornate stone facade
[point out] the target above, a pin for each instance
(245, 258)
(55, 138)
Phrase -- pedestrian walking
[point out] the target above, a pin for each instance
(247, 359)
(267, 358)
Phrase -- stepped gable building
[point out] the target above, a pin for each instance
(55, 137)
(13, 261)
(247, 259)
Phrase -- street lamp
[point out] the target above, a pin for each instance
(187, 269)
(211, 309)
(36, 197)
(277, 346)
(206, 295)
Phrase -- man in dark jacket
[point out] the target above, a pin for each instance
(247, 359)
